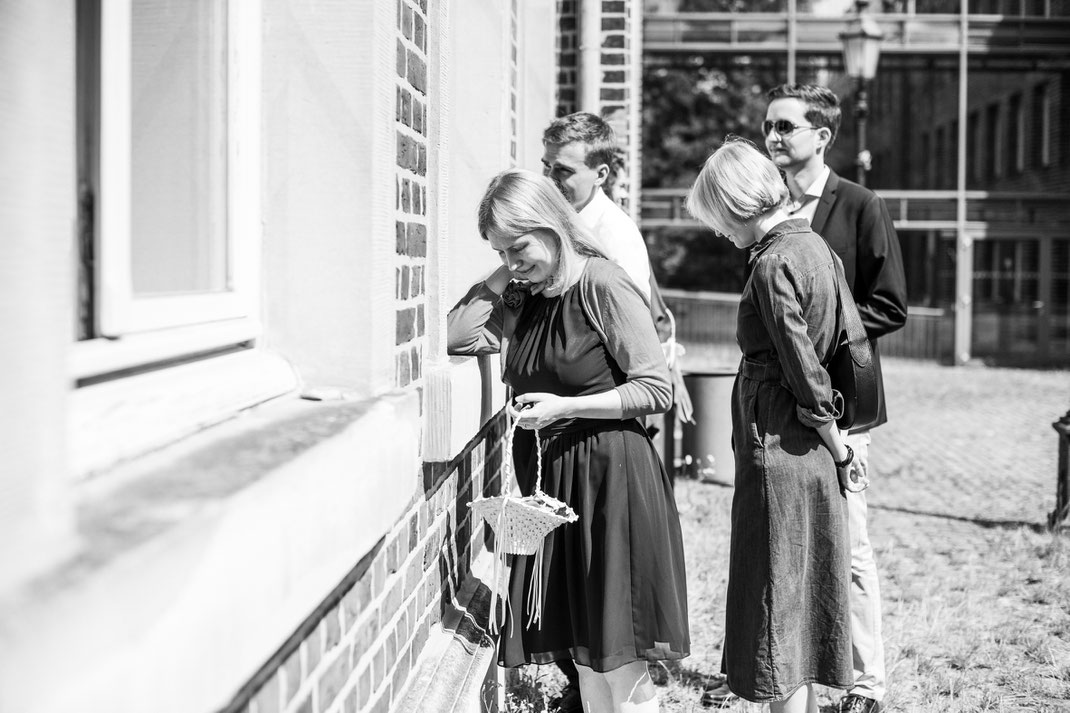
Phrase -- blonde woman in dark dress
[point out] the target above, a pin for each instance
(787, 613)
(584, 362)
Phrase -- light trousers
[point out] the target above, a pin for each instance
(866, 642)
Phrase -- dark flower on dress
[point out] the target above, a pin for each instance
(514, 294)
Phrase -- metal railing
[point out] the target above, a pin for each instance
(986, 211)
(903, 33)
(708, 319)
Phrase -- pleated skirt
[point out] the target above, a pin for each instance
(613, 583)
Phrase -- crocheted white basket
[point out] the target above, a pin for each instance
(521, 524)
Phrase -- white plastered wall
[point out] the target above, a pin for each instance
(37, 222)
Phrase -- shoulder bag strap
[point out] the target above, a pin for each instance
(857, 340)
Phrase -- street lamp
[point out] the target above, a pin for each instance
(861, 53)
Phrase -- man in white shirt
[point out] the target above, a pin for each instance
(579, 152)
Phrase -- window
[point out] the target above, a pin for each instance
(993, 158)
(927, 159)
(1015, 139)
(953, 153)
(168, 180)
(1041, 125)
(168, 146)
(939, 156)
(974, 149)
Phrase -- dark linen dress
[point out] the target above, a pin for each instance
(787, 612)
(614, 581)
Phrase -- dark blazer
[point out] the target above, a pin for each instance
(855, 222)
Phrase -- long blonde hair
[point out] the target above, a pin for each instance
(517, 202)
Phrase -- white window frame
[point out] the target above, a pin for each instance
(136, 329)
(166, 367)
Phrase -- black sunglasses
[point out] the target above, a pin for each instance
(783, 127)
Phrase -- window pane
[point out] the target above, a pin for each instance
(178, 147)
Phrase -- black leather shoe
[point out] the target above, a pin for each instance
(717, 693)
(854, 703)
(569, 701)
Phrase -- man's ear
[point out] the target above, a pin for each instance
(824, 137)
(603, 174)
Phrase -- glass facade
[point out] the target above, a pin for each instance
(973, 161)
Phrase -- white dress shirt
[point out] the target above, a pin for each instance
(806, 206)
(617, 235)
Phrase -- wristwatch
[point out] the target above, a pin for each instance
(846, 461)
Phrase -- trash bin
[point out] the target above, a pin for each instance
(706, 445)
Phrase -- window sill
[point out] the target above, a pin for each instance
(114, 421)
(197, 562)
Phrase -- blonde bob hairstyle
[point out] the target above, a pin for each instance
(737, 184)
(518, 202)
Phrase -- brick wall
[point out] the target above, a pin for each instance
(357, 652)
(620, 67)
(411, 182)
(567, 55)
(619, 87)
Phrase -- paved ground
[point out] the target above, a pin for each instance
(965, 465)
(968, 443)
(965, 443)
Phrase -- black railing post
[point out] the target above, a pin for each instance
(1058, 516)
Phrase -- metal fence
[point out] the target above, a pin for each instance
(708, 320)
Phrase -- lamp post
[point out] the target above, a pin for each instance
(861, 53)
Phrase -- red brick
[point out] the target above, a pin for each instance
(401, 629)
(393, 600)
(313, 647)
(267, 699)
(291, 670)
(366, 635)
(332, 628)
(333, 680)
(382, 705)
(364, 687)
(421, 634)
(401, 673)
(378, 668)
(355, 601)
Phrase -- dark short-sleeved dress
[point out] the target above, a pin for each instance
(787, 612)
(614, 581)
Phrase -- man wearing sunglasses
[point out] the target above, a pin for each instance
(800, 127)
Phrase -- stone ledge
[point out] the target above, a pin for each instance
(199, 561)
(457, 671)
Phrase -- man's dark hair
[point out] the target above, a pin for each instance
(822, 105)
(588, 129)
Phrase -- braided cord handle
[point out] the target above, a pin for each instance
(510, 470)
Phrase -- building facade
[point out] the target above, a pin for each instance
(237, 457)
(968, 131)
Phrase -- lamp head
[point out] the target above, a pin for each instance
(862, 44)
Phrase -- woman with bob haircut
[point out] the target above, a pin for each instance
(787, 614)
(583, 359)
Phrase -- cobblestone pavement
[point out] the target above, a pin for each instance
(968, 443)
(963, 482)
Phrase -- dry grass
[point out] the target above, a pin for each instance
(976, 593)
(976, 617)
